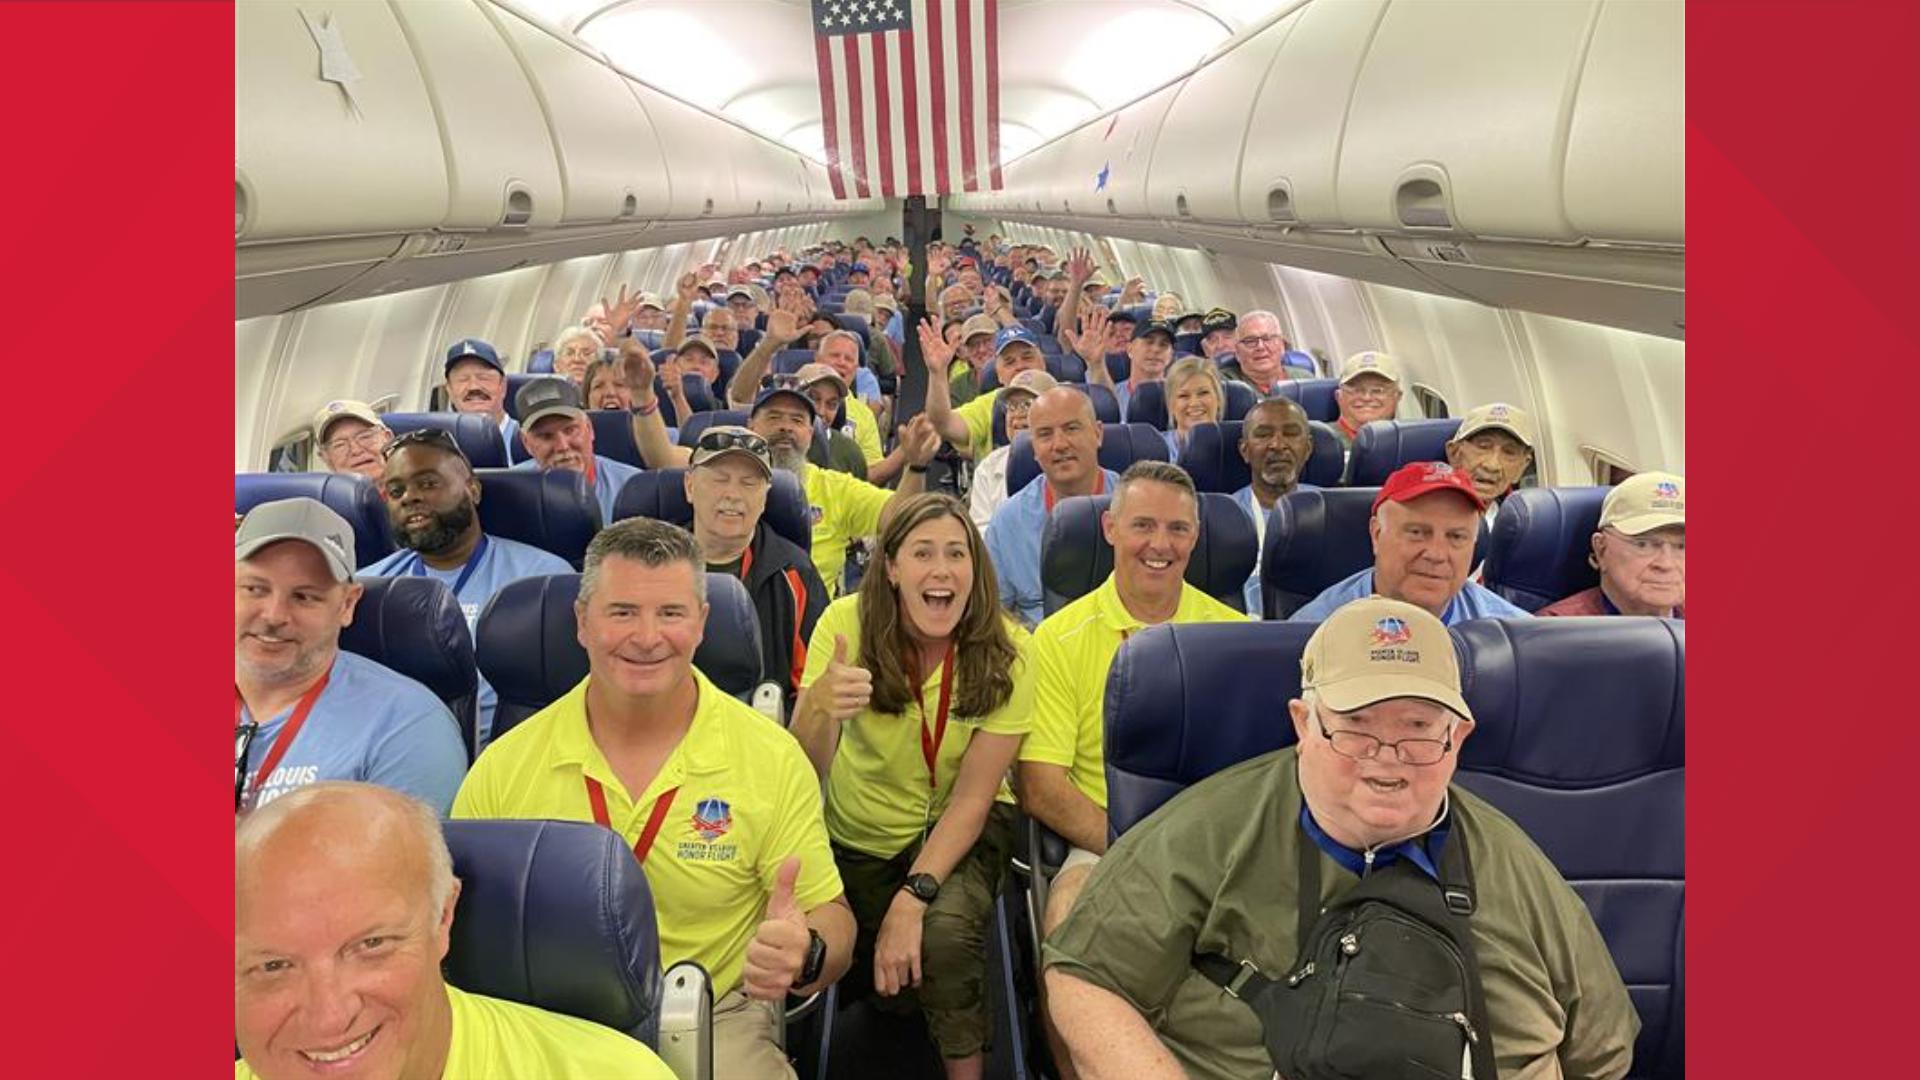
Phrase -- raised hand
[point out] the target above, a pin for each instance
(779, 947)
(1135, 289)
(782, 326)
(920, 440)
(1080, 267)
(934, 349)
(845, 687)
(688, 286)
(638, 365)
(1091, 343)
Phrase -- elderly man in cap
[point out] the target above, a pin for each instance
(1276, 441)
(1640, 550)
(477, 383)
(433, 503)
(1217, 329)
(1494, 447)
(1258, 347)
(1425, 521)
(1369, 390)
(969, 427)
(558, 434)
(1149, 351)
(989, 488)
(344, 900)
(848, 418)
(304, 711)
(649, 313)
(972, 356)
(1204, 895)
(348, 437)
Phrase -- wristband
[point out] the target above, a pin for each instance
(912, 468)
(646, 410)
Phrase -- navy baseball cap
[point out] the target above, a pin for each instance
(1010, 334)
(1124, 314)
(1153, 326)
(859, 267)
(476, 349)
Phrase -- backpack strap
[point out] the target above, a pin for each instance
(1456, 888)
(1241, 979)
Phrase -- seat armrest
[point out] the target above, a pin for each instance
(686, 1021)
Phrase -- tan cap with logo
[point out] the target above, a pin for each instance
(977, 325)
(343, 409)
(1511, 419)
(1374, 649)
(1370, 363)
(1645, 502)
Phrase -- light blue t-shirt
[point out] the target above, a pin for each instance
(509, 433)
(1473, 602)
(608, 477)
(866, 386)
(500, 562)
(1252, 506)
(371, 724)
(894, 332)
(1013, 543)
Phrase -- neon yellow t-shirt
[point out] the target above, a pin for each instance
(844, 508)
(505, 1040)
(747, 798)
(978, 415)
(1072, 650)
(878, 800)
(866, 429)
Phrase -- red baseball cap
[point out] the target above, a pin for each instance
(1417, 479)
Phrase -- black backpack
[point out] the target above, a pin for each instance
(1386, 984)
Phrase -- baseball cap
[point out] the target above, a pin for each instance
(651, 300)
(1153, 326)
(1645, 502)
(885, 300)
(1370, 363)
(783, 384)
(978, 324)
(1010, 334)
(1417, 479)
(542, 398)
(720, 440)
(298, 519)
(1375, 649)
(698, 343)
(741, 290)
(1124, 314)
(1500, 416)
(814, 373)
(858, 268)
(1218, 319)
(1033, 381)
(341, 410)
(478, 350)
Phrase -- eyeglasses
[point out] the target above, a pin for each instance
(1369, 390)
(1646, 547)
(439, 438)
(1020, 408)
(1268, 340)
(242, 746)
(715, 441)
(1361, 746)
(367, 439)
(787, 381)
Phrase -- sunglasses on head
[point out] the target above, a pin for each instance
(438, 438)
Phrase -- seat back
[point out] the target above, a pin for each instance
(1580, 738)
(1541, 539)
(692, 426)
(555, 914)
(413, 625)
(350, 495)
(477, 436)
(1105, 406)
(518, 379)
(1148, 403)
(661, 494)
(527, 648)
(1318, 537)
(1385, 445)
(1075, 556)
(554, 510)
(612, 438)
(1184, 702)
(1120, 446)
(1187, 344)
(1314, 395)
(1212, 457)
(788, 361)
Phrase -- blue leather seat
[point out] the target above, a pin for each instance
(661, 494)
(414, 626)
(1105, 406)
(1075, 556)
(1316, 538)
(515, 381)
(1541, 539)
(527, 648)
(1212, 458)
(1580, 738)
(788, 361)
(1120, 446)
(612, 438)
(540, 363)
(350, 495)
(1314, 395)
(478, 437)
(1148, 404)
(1187, 344)
(1184, 702)
(552, 510)
(1385, 445)
(692, 426)
(1295, 360)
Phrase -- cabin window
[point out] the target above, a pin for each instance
(1606, 469)
(294, 452)
(1432, 405)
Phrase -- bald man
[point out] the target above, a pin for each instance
(343, 911)
(1066, 444)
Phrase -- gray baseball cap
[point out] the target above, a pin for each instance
(298, 519)
(542, 398)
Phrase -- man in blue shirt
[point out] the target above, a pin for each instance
(1425, 521)
(303, 710)
(1066, 444)
(1275, 442)
(477, 383)
(432, 504)
(559, 435)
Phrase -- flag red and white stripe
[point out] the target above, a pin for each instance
(909, 95)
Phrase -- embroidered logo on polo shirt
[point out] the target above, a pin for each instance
(817, 514)
(712, 819)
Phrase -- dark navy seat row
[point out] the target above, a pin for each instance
(1212, 457)
(1075, 556)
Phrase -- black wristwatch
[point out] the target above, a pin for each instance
(924, 887)
(816, 958)
(912, 468)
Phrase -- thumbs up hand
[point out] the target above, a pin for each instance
(779, 947)
(845, 688)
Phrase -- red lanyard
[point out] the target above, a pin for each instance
(598, 797)
(287, 733)
(1100, 488)
(930, 740)
(746, 562)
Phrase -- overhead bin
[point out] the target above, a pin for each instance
(1632, 289)
(1458, 121)
(1124, 146)
(1626, 147)
(700, 168)
(1196, 157)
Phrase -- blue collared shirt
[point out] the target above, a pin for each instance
(1255, 606)
(1013, 543)
(866, 386)
(1472, 602)
(1419, 850)
(608, 477)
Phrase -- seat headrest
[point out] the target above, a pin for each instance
(515, 381)
(788, 361)
(1541, 539)
(1075, 556)
(554, 510)
(661, 494)
(1314, 395)
(1120, 446)
(350, 495)
(477, 436)
(1316, 537)
(1212, 457)
(1385, 445)
(413, 625)
(1148, 403)
(692, 426)
(1106, 408)
(1182, 705)
(528, 650)
(558, 915)
(1187, 344)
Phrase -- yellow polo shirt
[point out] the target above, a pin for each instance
(747, 798)
(978, 414)
(866, 430)
(878, 799)
(1072, 650)
(844, 507)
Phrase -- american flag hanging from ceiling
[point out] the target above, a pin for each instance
(909, 95)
